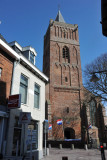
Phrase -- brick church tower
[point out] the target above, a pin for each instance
(61, 63)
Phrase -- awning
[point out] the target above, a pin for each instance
(3, 114)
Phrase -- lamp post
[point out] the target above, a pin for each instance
(99, 85)
(94, 78)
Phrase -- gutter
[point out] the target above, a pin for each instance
(9, 50)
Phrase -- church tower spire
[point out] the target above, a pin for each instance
(59, 17)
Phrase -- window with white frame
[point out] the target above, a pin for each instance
(36, 96)
(32, 57)
(23, 88)
(0, 72)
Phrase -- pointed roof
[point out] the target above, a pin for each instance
(59, 17)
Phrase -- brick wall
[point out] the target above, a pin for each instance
(6, 64)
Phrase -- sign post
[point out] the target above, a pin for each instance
(46, 126)
(25, 118)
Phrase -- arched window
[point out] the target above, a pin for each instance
(66, 54)
(93, 112)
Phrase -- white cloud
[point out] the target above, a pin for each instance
(0, 22)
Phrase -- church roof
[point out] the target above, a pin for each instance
(59, 17)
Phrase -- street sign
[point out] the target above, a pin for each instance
(25, 117)
(14, 101)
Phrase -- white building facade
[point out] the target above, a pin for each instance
(27, 139)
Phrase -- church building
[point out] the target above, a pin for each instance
(61, 63)
(64, 92)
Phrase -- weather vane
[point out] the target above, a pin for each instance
(58, 7)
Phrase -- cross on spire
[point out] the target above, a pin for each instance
(58, 7)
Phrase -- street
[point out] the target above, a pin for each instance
(76, 154)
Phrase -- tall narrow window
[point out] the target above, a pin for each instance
(93, 113)
(67, 109)
(23, 88)
(64, 34)
(32, 57)
(0, 72)
(66, 79)
(36, 96)
(66, 54)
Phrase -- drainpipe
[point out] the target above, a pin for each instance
(11, 91)
(14, 65)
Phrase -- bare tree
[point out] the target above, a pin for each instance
(98, 67)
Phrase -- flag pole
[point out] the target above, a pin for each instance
(63, 127)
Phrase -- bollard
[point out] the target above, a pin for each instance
(47, 151)
(72, 146)
(86, 147)
(60, 146)
(49, 146)
(64, 158)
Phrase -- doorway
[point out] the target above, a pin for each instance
(69, 133)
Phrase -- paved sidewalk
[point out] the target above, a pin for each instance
(76, 154)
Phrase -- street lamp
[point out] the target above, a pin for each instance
(94, 78)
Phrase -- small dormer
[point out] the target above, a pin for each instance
(27, 52)
(30, 54)
(16, 47)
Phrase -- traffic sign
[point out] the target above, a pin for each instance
(25, 117)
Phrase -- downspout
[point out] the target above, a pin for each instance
(13, 74)
(11, 91)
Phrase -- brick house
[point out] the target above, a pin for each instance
(7, 58)
(65, 92)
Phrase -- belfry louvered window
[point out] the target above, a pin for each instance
(66, 54)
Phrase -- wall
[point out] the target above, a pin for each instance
(6, 63)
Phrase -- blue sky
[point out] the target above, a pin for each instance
(26, 21)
